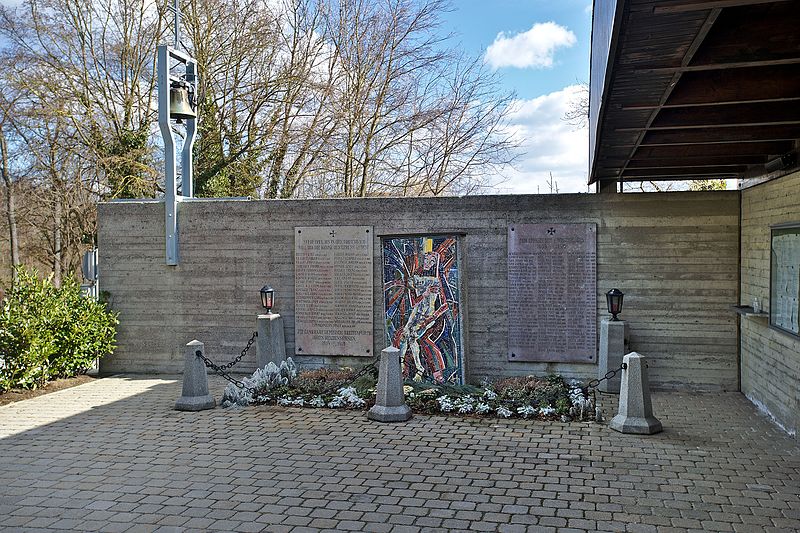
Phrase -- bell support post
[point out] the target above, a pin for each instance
(172, 197)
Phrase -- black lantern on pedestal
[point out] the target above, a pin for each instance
(614, 301)
(267, 297)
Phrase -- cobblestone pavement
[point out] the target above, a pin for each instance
(112, 455)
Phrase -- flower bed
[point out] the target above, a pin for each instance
(547, 398)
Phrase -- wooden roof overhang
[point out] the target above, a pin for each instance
(688, 89)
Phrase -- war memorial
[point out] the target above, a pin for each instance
(460, 291)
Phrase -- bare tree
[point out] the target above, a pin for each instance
(10, 195)
(578, 112)
(416, 117)
(92, 61)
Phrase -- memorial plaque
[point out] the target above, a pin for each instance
(552, 292)
(333, 290)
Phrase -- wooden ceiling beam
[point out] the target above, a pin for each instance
(704, 172)
(721, 135)
(684, 6)
(724, 87)
(718, 66)
(712, 161)
(734, 115)
(712, 150)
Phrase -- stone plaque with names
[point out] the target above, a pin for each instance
(552, 292)
(333, 290)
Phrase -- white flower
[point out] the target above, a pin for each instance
(546, 411)
(526, 411)
(336, 402)
(465, 408)
(489, 394)
(482, 408)
(317, 401)
(347, 397)
(445, 404)
(503, 412)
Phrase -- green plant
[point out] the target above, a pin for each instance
(48, 332)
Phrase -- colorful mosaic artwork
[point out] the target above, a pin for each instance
(422, 299)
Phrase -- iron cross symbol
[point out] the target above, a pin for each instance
(551, 231)
(333, 233)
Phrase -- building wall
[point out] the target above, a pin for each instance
(675, 255)
(770, 358)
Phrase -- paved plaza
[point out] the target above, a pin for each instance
(112, 455)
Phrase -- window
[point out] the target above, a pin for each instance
(784, 280)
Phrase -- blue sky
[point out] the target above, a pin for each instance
(540, 50)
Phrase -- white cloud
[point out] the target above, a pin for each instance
(531, 49)
(550, 145)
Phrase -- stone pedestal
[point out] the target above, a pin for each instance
(390, 403)
(612, 349)
(195, 396)
(270, 345)
(635, 409)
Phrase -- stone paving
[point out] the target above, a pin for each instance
(113, 456)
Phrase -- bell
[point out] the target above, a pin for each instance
(180, 107)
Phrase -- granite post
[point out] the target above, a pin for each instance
(612, 349)
(270, 344)
(195, 396)
(635, 409)
(390, 403)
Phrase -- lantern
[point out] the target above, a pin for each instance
(267, 297)
(614, 301)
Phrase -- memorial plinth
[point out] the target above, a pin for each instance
(194, 395)
(635, 407)
(612, 350)
(390, 403)
(270, 343)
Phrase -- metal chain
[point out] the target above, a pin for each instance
(221, 369)
(241, 355)
(594, 383)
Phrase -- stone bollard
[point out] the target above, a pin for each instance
(270, 345)
(612, 349)
(390, 403)
(195, 396)
(635, 409)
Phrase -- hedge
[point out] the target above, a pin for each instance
(49, 333)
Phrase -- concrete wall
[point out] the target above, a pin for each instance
(770, 358)
(675, 255)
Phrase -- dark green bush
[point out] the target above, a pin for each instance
(48, 333)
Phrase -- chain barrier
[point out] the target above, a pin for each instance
(594, 383)
(221, 369)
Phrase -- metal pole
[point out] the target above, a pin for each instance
(187, 168)
(177, 25)
(170, 196)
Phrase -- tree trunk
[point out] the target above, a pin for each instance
(57, 260)
(11, 209)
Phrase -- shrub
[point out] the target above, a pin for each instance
(49, 333)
